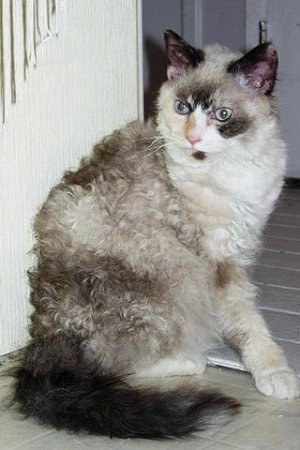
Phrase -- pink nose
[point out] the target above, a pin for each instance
(194, 139)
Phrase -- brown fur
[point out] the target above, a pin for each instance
(226, 273)
(142, 255)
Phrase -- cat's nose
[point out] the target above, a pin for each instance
(194, 139)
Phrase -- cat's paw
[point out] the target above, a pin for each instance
(173, 367)
(280, 383)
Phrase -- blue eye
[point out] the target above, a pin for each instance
(182, 108)
(223, 114)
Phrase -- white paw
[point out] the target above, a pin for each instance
(280, 383)
(174, 367)
(194, 368)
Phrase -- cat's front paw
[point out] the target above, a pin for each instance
(280, 383)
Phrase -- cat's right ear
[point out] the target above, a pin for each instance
(180, 54)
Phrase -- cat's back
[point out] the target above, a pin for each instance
(118, 156)
(124, 178)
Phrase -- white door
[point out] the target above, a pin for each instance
(86, 83)
(283, 28)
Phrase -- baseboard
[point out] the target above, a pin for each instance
(292, 183)
(11, 358)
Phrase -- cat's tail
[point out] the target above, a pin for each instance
(54, 385)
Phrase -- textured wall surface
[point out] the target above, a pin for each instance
(85, 85)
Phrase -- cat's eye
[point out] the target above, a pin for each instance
(182, 108)
(223, 114)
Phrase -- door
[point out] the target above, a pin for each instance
(157, 16)
(283, 28)
(86, 83)
(200, 22)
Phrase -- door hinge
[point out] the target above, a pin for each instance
(263, 31)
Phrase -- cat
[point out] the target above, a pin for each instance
(143, 257)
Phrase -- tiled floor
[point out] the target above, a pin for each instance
(264, 423)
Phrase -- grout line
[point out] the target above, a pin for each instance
(288, 192)
(215, 441)
(222, 384)
(30, 441)
(282, 238)
(288, 196)
(284, 214)
(292, 202)
(207, 444)
(272, 250)
(290, 288)
(228, 444)
(273, 266)
(261, 284)
(276, 224)
(223, 439)
(276, 250)
(282, 225)
(291, 341)
(279, 310)
(283, 252)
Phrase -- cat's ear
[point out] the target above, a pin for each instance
(257, 69)
(180, 54)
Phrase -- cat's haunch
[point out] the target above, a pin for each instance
(142, 257)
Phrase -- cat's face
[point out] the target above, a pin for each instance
(200, 115)
(213, 99)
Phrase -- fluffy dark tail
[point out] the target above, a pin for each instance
(54, 386)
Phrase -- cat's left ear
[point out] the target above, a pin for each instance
(257, 69)
(180, 54)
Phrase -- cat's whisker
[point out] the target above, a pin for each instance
(160, 148)
(155, 147)
(153, 152)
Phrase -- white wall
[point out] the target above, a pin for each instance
(85, 85)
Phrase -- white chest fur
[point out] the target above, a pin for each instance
(228, 204)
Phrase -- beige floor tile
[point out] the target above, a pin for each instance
(289, 409)
(264, 424)
(254, 405)
(222, 446)
(64, 441)
(273, 432)
(15, 430)
(231, 377)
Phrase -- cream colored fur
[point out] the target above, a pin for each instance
(230, 196)
(173, 234)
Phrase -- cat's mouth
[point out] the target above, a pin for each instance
(199, 155)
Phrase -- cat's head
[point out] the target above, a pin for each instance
(214, 99)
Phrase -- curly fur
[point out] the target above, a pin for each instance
(142, 257)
